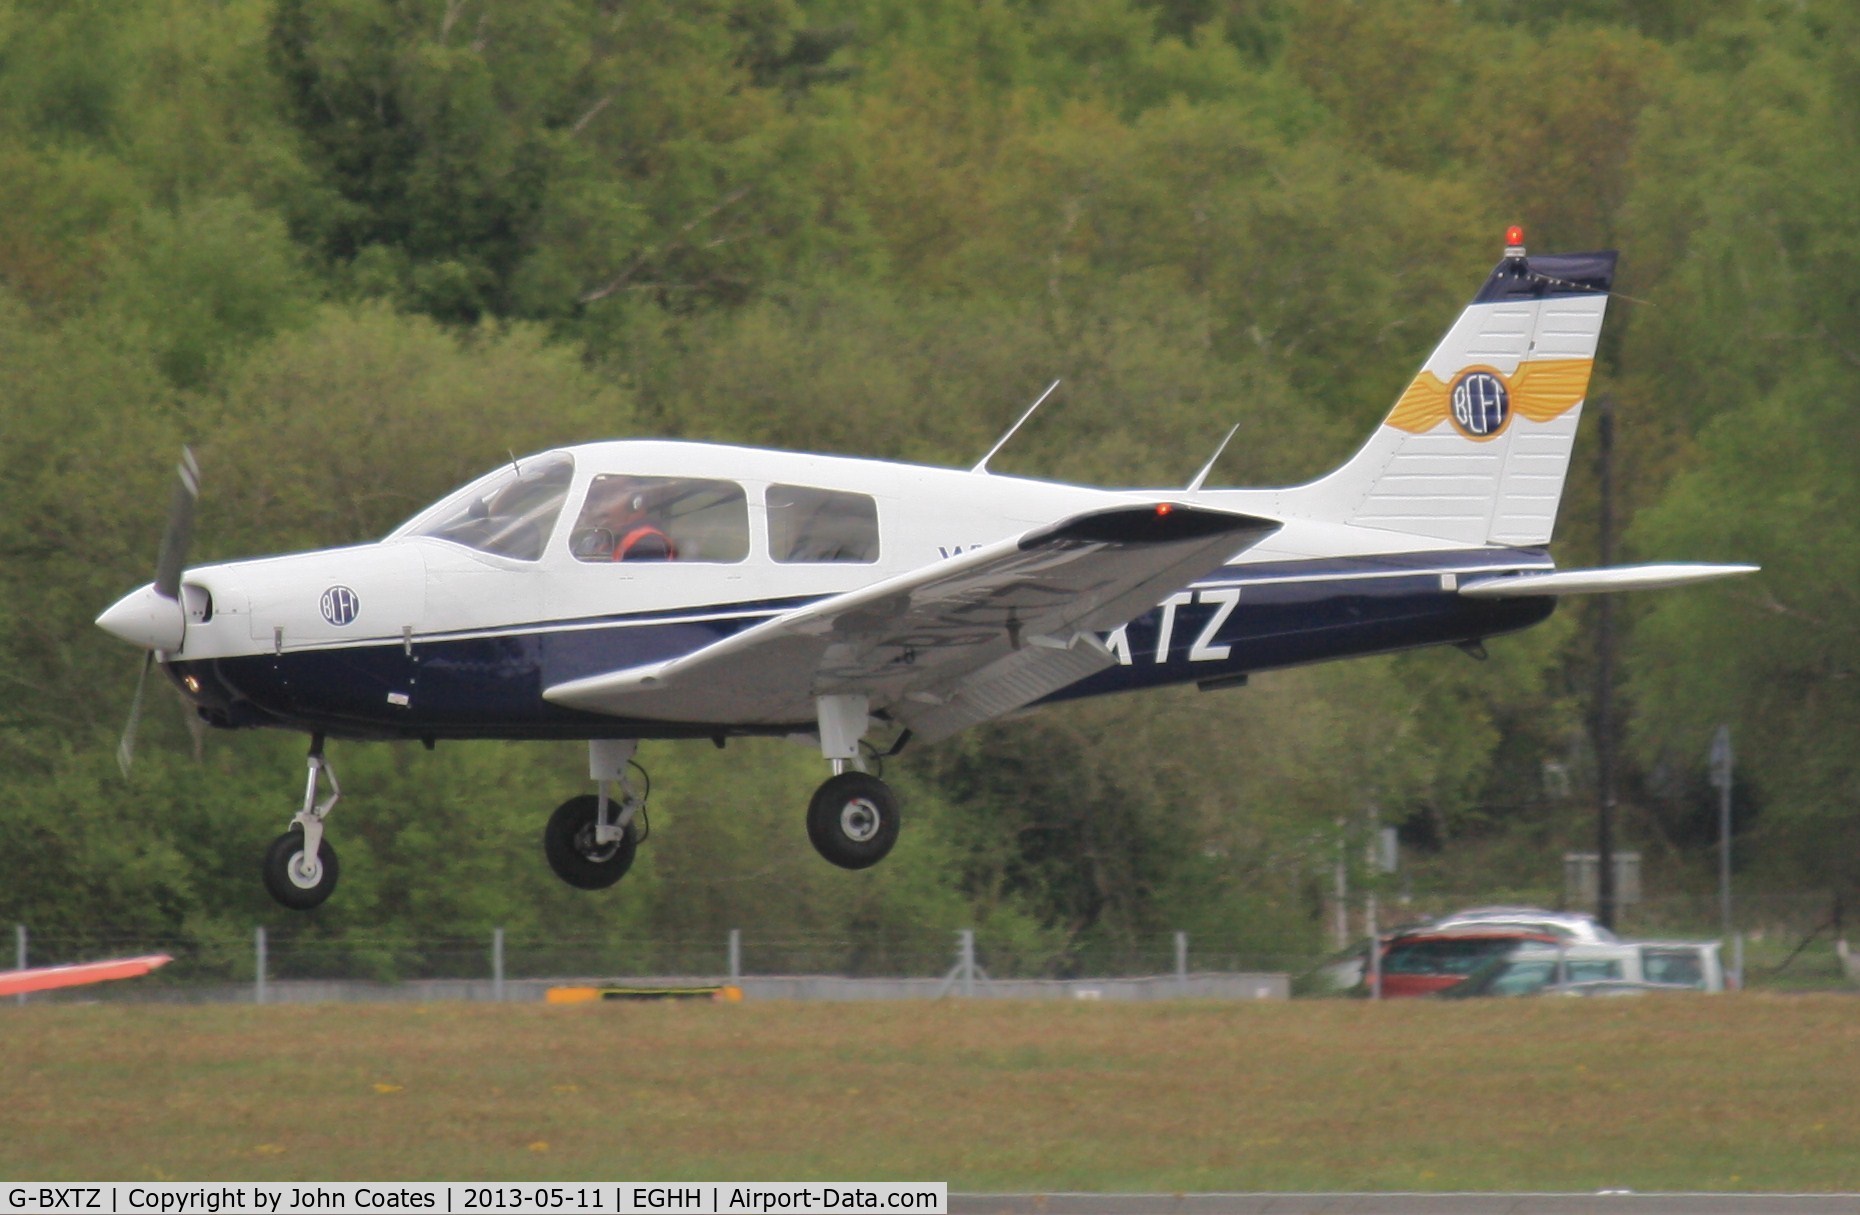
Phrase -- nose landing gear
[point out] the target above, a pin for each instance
(300, 867)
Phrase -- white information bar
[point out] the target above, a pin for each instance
(475, 1198)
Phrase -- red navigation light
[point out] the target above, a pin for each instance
(1514, 235)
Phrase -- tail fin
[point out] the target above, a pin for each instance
(1476, 449)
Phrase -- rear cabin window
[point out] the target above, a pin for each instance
(684, 519)
(821, 525)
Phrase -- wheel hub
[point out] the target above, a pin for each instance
(305, 871)
(859, 820)
(586, 845)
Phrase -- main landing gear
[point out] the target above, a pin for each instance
(853, 819)
(591, 840)
(300, 866)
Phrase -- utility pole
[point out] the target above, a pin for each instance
(1722, 762)
(1340, 928)
(1605, 685)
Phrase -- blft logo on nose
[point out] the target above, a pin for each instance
(341, 605)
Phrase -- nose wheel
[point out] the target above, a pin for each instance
(300, 866)
(853, 820)
(297, 877)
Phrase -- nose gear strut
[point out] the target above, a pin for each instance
(300, 866)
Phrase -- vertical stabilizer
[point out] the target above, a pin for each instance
(1475, 451)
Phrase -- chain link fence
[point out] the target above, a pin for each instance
(214, 968)
(1790, 939)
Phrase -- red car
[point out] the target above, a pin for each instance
(1423, 962)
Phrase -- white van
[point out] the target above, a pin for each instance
(1622, 968)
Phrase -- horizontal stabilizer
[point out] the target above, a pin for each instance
(1597, 582)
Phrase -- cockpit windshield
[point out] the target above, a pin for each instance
(511, 515)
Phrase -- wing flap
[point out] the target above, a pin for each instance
(1010, 682)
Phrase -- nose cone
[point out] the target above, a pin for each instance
(146, 618)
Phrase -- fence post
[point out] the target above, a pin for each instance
(968, 962)
(1374, 970)
(497, 965)
(258, 987)
(19, 934)
(736, 956)
(1181, 959)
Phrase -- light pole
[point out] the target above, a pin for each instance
(1722, 763)
(1605, 685)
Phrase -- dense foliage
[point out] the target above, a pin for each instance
(358, 250)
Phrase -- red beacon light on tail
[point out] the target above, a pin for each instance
(1514, 241)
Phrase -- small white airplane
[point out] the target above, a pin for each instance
(619, 591)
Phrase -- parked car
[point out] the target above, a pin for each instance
(1431, 956)
(1620, 968)
(1569, 925)
(1429, 960)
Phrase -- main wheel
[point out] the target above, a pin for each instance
(568, 842)
(853, 820)
(291, 878)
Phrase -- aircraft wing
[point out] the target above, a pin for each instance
(956, 642)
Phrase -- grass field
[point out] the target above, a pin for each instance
(1739, 1092)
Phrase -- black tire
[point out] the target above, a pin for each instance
(568, 842)
(853, 820)
(284, 876)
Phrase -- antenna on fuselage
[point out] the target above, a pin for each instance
(981, 466)
(1194, 487)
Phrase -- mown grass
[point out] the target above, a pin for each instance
(1740, 1092)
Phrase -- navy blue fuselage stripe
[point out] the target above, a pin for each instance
(490, 685)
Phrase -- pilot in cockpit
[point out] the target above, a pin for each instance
(625, 527)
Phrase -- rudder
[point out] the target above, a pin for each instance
(1477, 448)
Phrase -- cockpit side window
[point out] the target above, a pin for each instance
(681, 519)
(821, 525)
(512, 516)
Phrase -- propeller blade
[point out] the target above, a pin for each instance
(180, 530)
(126, 749)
